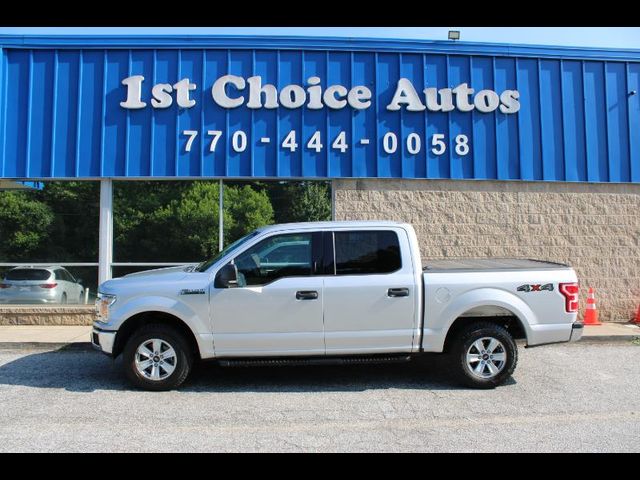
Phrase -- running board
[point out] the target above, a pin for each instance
(298, 361)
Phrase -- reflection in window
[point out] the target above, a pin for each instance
(273, 258)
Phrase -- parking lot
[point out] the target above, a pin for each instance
(572, 397)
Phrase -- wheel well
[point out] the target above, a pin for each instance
(134, 323)
(510, 322)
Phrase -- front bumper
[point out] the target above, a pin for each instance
(576, 331)
(103, 340)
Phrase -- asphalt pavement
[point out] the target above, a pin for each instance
(582, 397)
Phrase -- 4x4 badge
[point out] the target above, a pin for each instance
(536, 288)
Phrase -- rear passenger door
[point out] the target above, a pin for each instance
(369, 304)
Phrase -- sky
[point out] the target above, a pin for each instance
(603, 37)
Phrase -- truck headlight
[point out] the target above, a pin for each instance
(103, 302)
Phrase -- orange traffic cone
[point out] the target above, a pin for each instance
(591, 314)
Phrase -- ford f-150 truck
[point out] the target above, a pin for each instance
(334, 292)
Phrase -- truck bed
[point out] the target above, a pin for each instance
(488, 264)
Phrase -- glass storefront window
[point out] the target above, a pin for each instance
(42, 231)
(177, 221)
(53, 284)
(52, 230)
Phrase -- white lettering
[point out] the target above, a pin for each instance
(359, 97)
(315, 93)
(405, 94)
(446, 99)
(462, 92)
(510, 103)
(134, 92)
(330, 99)
(227, 90)
(293, 96)
(486, 101)
(256, 90)
(220, 95)
(161, 95)
(182, 88)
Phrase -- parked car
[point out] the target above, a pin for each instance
(349, 292)
(29, 285)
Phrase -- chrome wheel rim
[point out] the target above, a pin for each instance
(486, 357)
(155, 359)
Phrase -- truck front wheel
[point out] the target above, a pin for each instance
(483, 355)
(157, 357)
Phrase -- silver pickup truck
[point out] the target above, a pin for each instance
(334, 292)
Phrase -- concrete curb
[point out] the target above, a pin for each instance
(82, 346)
(608, 338)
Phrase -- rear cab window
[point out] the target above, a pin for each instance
(367, 252)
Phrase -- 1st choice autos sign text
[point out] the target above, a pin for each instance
(231, 91)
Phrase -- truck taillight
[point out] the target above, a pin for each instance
(570, 292)
(48, 285)
(4, 285)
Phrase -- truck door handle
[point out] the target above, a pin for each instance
(306, 295)
(398, 292)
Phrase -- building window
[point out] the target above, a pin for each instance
(49, 231)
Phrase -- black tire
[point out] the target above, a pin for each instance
(63, 299)
(183, 357)
(462, 344)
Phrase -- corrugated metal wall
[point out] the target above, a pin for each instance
(61, 116)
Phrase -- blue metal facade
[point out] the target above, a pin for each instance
(60, 113)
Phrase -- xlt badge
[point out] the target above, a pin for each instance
(187, 291)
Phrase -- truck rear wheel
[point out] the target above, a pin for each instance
(157, 357)
(483, 355)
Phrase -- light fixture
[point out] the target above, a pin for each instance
(454, 35)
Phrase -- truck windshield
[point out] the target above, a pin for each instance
(206, 264)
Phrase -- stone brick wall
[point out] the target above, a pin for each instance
(50, 315)
(595, 228)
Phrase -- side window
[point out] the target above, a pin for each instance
(367, 252)
(274, 258)
(68, 277)
(58, 274)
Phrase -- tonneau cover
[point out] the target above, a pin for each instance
(474, 264)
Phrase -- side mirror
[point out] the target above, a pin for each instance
(227, 277)
(78, 281)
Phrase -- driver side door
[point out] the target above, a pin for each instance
(276, 308)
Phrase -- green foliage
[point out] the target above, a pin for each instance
(185, 217)
(300, 201)
(74, 231)
(248, 209)
(25, 223)
(311, 202)
(168, 221)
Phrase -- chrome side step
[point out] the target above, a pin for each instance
(298, 361)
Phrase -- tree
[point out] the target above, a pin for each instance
(25, 225)
(300, 201)
(180, 223)
(248, 209)
(74, 230)
(311, 202)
